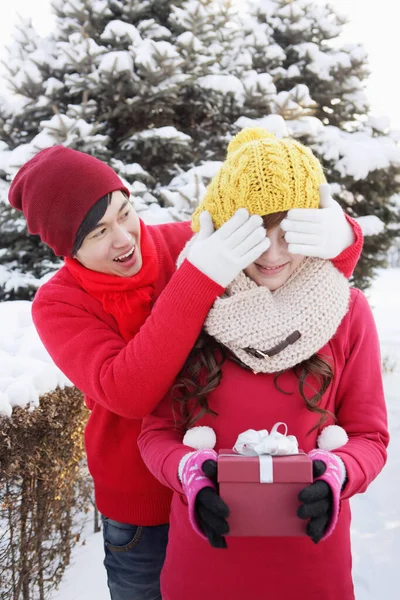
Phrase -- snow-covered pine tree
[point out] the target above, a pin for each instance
(359, 152)
(23, 259)
(158, 87)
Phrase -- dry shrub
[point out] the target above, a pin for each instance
(389, 364)
(44, 487)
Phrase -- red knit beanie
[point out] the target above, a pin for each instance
(56, 189)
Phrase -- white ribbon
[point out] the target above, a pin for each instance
(266, 445)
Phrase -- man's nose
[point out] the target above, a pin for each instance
(121, 236)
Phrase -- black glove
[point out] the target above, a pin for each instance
(317, 504)
(211, 511)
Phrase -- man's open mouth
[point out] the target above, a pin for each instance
(125, 257)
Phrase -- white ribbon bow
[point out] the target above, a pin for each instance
(266, 445)
(256, 443)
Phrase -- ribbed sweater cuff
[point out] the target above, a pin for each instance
(135, 509)
(194, 291)
(347, 260)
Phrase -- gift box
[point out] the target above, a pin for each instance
(261, 492)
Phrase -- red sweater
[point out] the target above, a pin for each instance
(123, 382)
(274, 568)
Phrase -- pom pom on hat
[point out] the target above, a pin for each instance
(200, 438)
(249, 134)
(332, 437)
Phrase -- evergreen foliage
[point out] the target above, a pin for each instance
(157, 88)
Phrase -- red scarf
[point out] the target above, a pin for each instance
(127, 299)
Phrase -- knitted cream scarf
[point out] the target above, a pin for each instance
(274, 331)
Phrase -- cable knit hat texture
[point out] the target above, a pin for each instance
(264, 174)
(56, 189)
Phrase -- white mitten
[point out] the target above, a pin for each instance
(222, 254)
(320, 232)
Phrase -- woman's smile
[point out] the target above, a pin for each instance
(271, 271)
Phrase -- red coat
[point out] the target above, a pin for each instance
(123, 382)
(277, 568)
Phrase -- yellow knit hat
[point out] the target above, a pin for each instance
(264, 174)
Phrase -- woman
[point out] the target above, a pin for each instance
(289, 342)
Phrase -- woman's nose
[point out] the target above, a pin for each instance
(273, 252)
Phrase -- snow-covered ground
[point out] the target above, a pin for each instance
(376, 514)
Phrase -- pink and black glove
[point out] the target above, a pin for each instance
(207, 512)
(321, 499)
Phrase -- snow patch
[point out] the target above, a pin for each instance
(26, 369)
(116, 62)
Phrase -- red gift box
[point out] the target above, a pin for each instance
(263, 509)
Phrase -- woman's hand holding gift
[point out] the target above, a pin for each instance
(207, 512)
(321, 499)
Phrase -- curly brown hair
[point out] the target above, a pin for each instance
(202, 373)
